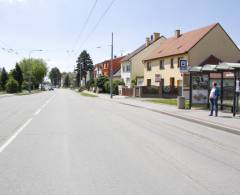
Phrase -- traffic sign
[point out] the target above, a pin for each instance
(183, 66)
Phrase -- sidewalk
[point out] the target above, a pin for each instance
(225, 121)
(6, 95)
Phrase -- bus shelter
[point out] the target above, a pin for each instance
(200, 85)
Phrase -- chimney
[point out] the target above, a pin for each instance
(151, 38)
(147, 41)
(156, 36)
(115, 57)
(177, 33)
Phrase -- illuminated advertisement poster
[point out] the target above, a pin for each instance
(200, 89)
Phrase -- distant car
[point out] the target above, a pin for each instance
(50, 89)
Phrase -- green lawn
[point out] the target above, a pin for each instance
(167, 101)
(173, 102)
(2, 92)
(87, 94)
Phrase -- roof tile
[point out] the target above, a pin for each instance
(174, 46)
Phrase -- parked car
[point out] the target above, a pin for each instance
(51, 88)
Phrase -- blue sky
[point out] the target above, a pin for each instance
(55, 26)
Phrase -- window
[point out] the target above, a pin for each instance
(149, 67)
(180, 58)
(128, 68)
(172, 63)
(105, 66)
(127, 81)
(148, 82)
(161, 64)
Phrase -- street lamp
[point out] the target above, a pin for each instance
(30, 72)
(111, 70)
(111, 67)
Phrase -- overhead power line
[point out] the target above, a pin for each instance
(98, 22)
(85, 23)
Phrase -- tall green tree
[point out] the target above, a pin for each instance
(55, 76)
(18, 76)
(39, 71)
(84, 65)
(33, 70)
(4, 78)
(66, 81)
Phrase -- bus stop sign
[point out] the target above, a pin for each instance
(183, 66)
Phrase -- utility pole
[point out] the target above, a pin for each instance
(111, 70)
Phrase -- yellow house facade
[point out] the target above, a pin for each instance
(207, 45)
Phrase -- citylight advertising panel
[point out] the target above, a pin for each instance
(200, 89)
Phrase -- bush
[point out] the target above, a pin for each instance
(12, 86)
(90, 83)
(115, 85)
(81, 89)
(106, 87)
(101, 81)
(25, 85)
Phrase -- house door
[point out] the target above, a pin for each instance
(162, 84)
(149, 82)
(172, 82)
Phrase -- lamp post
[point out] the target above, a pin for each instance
(111, 70)
(30, 72)
(111, 67)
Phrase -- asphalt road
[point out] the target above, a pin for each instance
(62, 143)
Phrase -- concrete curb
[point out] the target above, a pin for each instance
(194, 120)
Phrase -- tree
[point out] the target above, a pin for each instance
(66, 81)
(4, 78)
(39, 71)
(55, 76)
(33, 70)
(12, 86)
(84, 65)
(18, 76)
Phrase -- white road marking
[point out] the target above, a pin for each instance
(2, 148)
(38, 111)
(9, 141)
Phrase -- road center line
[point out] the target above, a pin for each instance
(10, 140)
(38, 111)
(2, 148)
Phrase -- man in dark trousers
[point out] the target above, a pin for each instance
(214, 95)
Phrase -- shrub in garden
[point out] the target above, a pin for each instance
(12, 86)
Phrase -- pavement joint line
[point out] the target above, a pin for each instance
(13, 137)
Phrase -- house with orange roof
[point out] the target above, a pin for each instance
(103, 68)
(207, 45)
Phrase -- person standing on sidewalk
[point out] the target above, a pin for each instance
(214, 95)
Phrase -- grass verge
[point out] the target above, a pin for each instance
(87, 94)
(172, 102)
